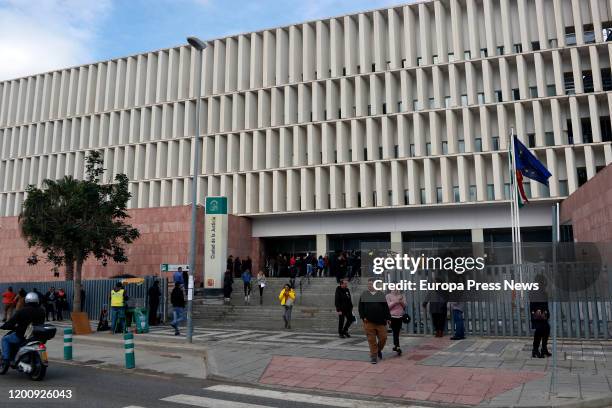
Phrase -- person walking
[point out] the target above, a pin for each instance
(20, 299)
(177, 298)
(228, 281)
(8, 302)
(261, 283)
(397, 308)
(344, 308)
(237, 267)
(177, 276)
(117, 302)
(375, 314)
(456, 309)
(246, 282)
(287, 298)
(320, 266)
(154, 294)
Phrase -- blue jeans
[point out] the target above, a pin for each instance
(8, 343)
(309, 269)
(458, 323)
(179, 315)
(117, 313)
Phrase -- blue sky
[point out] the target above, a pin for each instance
(42, 35)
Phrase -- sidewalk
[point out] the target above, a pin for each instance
(486, 372)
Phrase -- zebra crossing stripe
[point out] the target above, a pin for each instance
(302, 398)
(206, 402)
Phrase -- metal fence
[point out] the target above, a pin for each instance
(581, 313)
(97, 292)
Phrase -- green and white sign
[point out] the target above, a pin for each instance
(215, 242)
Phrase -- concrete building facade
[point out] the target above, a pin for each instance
(393, 122)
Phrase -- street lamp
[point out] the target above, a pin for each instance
(199, 45)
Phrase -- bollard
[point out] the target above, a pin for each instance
(67, 344)
(130, 361)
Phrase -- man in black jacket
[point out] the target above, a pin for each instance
(31, 313)
(375, 314)
(344, 308)
(177, 298)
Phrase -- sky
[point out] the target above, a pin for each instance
(43, 35)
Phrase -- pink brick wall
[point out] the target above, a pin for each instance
(164, 238)
(589, 209)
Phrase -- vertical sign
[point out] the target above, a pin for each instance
(215, 242)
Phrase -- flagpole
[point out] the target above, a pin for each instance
(512, 198)
(517, 221)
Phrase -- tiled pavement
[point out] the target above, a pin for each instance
(491, 372)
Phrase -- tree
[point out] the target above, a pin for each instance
(70, 220)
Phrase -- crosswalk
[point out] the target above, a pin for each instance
(228, 396)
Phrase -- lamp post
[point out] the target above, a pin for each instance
(199, 45)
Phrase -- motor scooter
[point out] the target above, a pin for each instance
(31, 358)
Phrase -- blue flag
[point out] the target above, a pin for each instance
(528, 164)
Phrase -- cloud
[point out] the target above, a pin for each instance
(42, 35)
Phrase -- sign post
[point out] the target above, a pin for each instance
(215, 245)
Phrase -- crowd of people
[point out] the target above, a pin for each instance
(55, 302)
(339, 264)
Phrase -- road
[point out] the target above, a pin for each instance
(93, 387)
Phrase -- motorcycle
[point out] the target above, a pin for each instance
(31, 358)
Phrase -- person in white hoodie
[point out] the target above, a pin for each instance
(397, 307)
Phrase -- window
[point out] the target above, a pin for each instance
(553, 43)
(432, 103)
(435, 59)
(412, 154)
(516, 94)
(570, 36)
(467, 55)
(406, 197)
(373, 67)
(581, 172)
(444, 147)
(419, 59)
(428, 148)
(472, 193)
(551, 90)
(518, 48)
(495, 140)
(483, 53)
(587, 131)
(461, 146)
(388, 64)
(399, 106)
(456, 195)
(380, 152)
(464, 100)
(423, 197)
(369, 110)
(396, 151)
(384, 108)
(478, 144)
(447, 101)
(343, 71)
(390, 195)
(531, 139)
(500, 50)
(606, 129)
(568, 81)
(506, 191)
(549, 138)
(415, 105)
(533, 91)
(544, 191)
(607, 32)
(499, 96)
(527, 189)
(403, 62)
(438, 194)
(535, 45)
(359, 199)
(589, 34)
(490, 192)
(563, 188)
(587, 81)
(481, 98)
(451, 57)
(606, 79)
(335, 156)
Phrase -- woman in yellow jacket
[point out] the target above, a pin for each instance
(287, 298)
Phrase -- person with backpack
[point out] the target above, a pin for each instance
(397, 308)
(246, 281)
